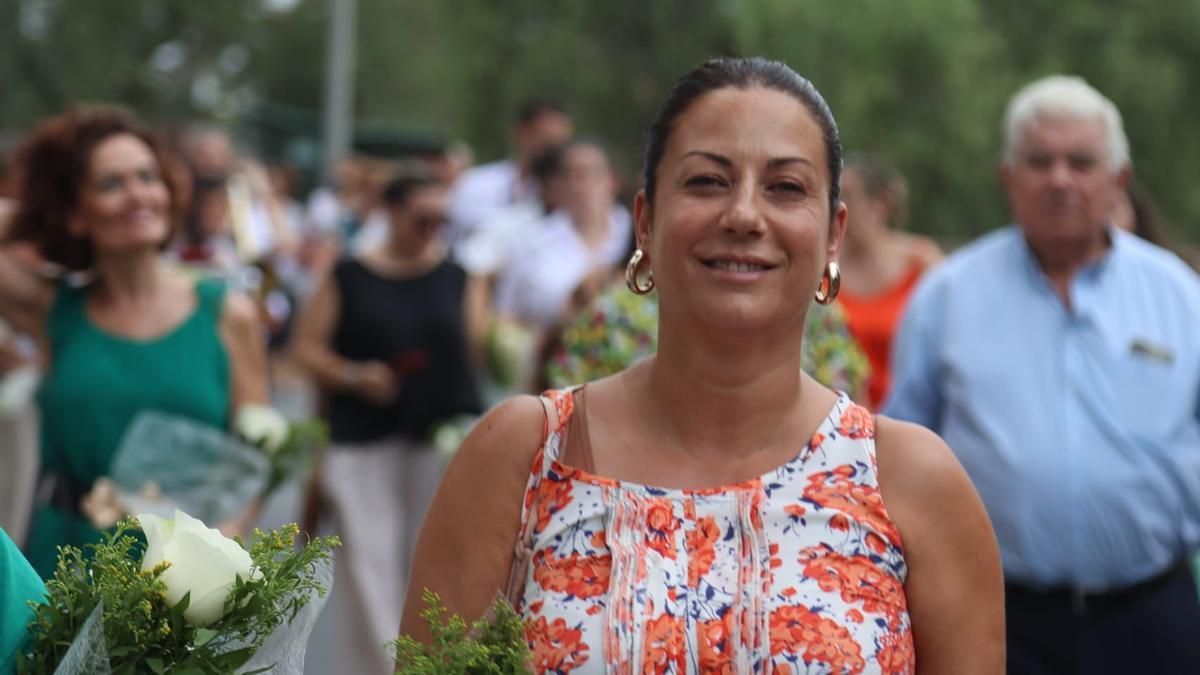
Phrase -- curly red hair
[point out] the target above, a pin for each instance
(51, 167)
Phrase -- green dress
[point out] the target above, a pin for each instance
(97, 384)
(18, 585)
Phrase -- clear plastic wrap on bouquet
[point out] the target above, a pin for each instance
(282, 654)
(284, 651)
(88, 654)
(196, 468)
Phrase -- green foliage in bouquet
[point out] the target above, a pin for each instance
(493, 645)
(143, 632)
(297, 450)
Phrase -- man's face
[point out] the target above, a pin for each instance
(1060, 185)
(547, 129)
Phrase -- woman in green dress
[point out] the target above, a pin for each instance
(122, 331)
(18, 586)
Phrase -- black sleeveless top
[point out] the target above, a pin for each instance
(416, 326)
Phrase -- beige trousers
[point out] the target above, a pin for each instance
(378, 494)
(18, 470)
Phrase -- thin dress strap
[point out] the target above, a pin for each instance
(557, 406)
(579, 441)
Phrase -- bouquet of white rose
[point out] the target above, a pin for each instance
(166, 462)
(196, 603)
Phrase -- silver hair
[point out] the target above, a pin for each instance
(1066, 96)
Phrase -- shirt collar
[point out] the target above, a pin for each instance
(1091, 272)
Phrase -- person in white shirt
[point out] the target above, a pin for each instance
(590, 232)
(484, 190)
(500, 240)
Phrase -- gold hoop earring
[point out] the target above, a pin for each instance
(631, 274)
(831, 282)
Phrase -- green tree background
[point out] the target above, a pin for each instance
(923, 82)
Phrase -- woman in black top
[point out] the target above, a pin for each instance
(389, 335)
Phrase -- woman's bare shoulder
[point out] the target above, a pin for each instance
(914, 461)
(466, 545)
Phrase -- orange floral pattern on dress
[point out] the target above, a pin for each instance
(663, 651)
(551, 497)
(661, 524)
(841, 491)
(896, 654)
(856, 422)
(576, 575)
(556, 648)
(815, 638)
(856, 579)
(716, 646)
(798, 570)
(700, 551)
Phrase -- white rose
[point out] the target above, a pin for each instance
(261, 425)
(203, 563)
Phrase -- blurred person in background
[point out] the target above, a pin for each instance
(501, 244)
(564, 257)
(590, 232)
(1059, 357)
(1135, 213)
(125, 332)
(19, 375)
(19, 585)
(390, 335)
(881, 264)
(235, 219)
(483, 190)
(496, 246)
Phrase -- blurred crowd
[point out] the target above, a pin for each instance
(398, 302)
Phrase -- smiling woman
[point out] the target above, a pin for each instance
(95, 199)
(712, 508)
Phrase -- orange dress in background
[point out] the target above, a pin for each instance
(872, 320)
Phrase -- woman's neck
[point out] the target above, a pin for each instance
(400, 261)
(729, 394)
(132, 278)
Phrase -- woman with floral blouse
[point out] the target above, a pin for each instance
(713, 509)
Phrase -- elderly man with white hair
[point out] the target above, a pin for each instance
(1060, 358)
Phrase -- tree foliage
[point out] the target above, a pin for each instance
(923, 82)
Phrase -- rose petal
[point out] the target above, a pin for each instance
(157, 530)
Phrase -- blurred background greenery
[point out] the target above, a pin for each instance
(922, 81)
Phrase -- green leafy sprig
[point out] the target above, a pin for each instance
(297, 451)
(493, 645)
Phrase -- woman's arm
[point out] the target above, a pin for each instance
(25, 297)
(955, 587)
(371, 380)
(477, 310)
(245, 340)
(466, 545)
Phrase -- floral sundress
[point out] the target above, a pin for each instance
(798, 571)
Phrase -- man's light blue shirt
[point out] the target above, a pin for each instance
(1079, 428)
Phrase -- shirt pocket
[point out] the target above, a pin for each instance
(1149, 393)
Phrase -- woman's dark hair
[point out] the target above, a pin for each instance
(400, 188)
(880, 180)
(51, 167)
(1146, 223)
(741, 73)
